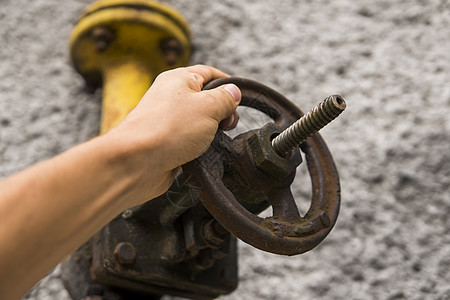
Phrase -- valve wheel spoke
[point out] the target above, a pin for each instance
(283, 205)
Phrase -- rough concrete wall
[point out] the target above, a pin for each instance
(390, 60)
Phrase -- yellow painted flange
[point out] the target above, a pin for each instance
(122, 45)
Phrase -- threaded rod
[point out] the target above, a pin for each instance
(325, 112)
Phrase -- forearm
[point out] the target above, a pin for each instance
(53, 207)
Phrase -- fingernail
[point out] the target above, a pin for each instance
(234, 91)
(227, 123)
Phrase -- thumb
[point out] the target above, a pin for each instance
(223, 100)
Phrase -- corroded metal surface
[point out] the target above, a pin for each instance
(228, 178)
(309, 124)
(168, 246)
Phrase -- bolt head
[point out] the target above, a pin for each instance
(125, 253)
(172, 50)
(102, 36)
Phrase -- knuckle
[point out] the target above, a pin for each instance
(223, 100)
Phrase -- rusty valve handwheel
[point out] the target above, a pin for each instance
(249, 160)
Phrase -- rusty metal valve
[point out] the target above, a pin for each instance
(180, 243)
(237, 178)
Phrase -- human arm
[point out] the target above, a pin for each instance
(50, 209)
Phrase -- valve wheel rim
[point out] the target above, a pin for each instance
(264, 233)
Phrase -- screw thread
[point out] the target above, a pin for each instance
(309, 124)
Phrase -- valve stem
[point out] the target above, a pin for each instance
(309, 124)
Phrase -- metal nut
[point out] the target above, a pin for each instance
(125, 253)
(213, 233)
(265, 157)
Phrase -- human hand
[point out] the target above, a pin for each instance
(175, 122)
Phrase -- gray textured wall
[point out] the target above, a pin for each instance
(390, 60)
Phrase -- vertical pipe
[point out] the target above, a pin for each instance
(124, 84)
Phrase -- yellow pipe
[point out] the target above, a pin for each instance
(124, 84)
(122, 45)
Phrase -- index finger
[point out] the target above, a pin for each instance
(207, 73)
